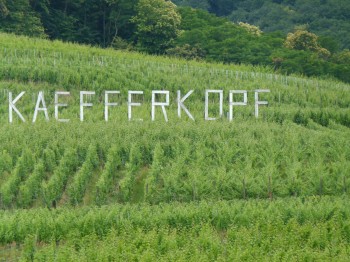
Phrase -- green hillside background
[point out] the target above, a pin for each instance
(328, 18)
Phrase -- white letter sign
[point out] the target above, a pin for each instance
(180, 104)
(13, 107)
(83, 104)
(57, 105)
(38, 108)
(221, 93)
(257, 102)
(131, 104)
(231, 103)
(107, 103)
(214, 103)
(161, 104)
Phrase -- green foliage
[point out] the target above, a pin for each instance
(153, 181)
(187, 52)
(304, 40)
(18, 17)
(135, 158)
(157, 23)
(325, 18)
(251, 28)
(273, 17)
(156, 26)
(53, 188)
(29, 248)
(5, 162)
(199, 4)
(77, 188)
(128, 181)
(107, 180)
(343, 57)
(221, 40)
(289, 229)
(50, 160)
(89, 22)
(117, 22)
(23, 168)
(30, 190)
(120, 44)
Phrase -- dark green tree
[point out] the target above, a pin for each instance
(157, 23)
(19, 18)
(117, 23)
(199, 4)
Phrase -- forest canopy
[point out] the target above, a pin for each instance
(304, 37)
(326, 18)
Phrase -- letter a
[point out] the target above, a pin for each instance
(38, 108)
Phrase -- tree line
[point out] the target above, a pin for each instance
(327, 18)
(161, 27)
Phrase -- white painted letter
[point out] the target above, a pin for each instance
(161, 104)
(221, 93)
(13, 107)
(82, 104)
(181, 105)
(231, 103)
(107, 103)
(57, 105)
(131, 104)
(38, 108)
(257, 102)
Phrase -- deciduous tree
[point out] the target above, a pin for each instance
(19, 18)
(157, 23)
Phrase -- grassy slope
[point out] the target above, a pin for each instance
(296, 152)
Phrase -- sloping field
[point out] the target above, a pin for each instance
(274, 187)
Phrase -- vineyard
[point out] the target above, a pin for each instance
(275, 187)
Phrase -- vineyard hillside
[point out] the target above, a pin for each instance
(124, 186)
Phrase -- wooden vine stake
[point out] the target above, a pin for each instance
(321, 186)
(244, 189)
(270, 189)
